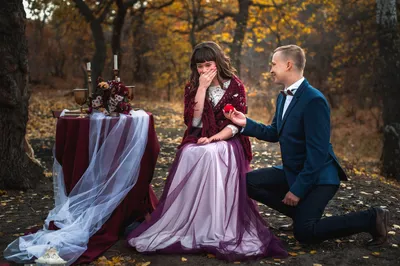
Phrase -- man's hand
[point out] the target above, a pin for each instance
(291, 199)
(236, 117)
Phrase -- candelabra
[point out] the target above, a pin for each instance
(116, 75)
(89, 77)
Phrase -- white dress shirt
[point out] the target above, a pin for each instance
(289, 98)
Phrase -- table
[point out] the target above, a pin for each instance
(72, 152)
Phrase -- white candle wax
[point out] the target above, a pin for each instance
(88, 66)
(115, 61)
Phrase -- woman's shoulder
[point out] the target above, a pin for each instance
(236, 82)
(187, 85)
(189, 88)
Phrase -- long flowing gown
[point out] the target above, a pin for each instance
(204, 206)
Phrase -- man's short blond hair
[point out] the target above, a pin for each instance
(295, 53)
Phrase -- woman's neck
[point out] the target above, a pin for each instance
(215, 82)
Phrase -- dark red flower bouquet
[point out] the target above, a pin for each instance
(110, 96)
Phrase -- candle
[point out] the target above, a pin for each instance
(88, 66)
(115, 61)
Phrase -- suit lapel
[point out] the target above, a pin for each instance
(292, 104)
(281, 104)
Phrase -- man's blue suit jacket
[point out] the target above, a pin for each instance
(304, 137)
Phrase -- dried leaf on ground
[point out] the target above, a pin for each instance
(143, 263)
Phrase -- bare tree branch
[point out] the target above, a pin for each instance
(181, 31)
(88, 14)
(213, 21)
(84, 10)
(105, 11)
(151, 6)
(130, 3)
(274, 4)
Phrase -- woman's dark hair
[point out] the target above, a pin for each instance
(210, 51)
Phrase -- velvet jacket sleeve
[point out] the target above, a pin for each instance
(189, 103)
(237, 99)
(317, 133)
(261, 131)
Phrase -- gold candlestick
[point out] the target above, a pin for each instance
(116, 75)
(89, 74)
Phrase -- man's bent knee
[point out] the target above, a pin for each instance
(251, 179)
(304, 233)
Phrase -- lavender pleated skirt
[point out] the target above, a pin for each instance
(205, 208)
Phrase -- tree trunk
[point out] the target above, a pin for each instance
(240, 30)
(140, 46)
(389, 80)
(18, 170)
(391, 151)
(194, 20)
(118, 24)
(99, 57)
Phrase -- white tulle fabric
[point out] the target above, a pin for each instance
(111, 174)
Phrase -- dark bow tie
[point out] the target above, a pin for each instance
(288, 92)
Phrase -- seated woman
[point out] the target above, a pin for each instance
(204, 206)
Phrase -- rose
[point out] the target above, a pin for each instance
(104, 85)
(119, 98)
(229, 107)
(97, 102)
(124, 107)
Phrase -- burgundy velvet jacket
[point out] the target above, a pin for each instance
(213, 118)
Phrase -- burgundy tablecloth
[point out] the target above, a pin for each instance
(72, 142)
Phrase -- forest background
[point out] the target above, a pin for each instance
(154, 40)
